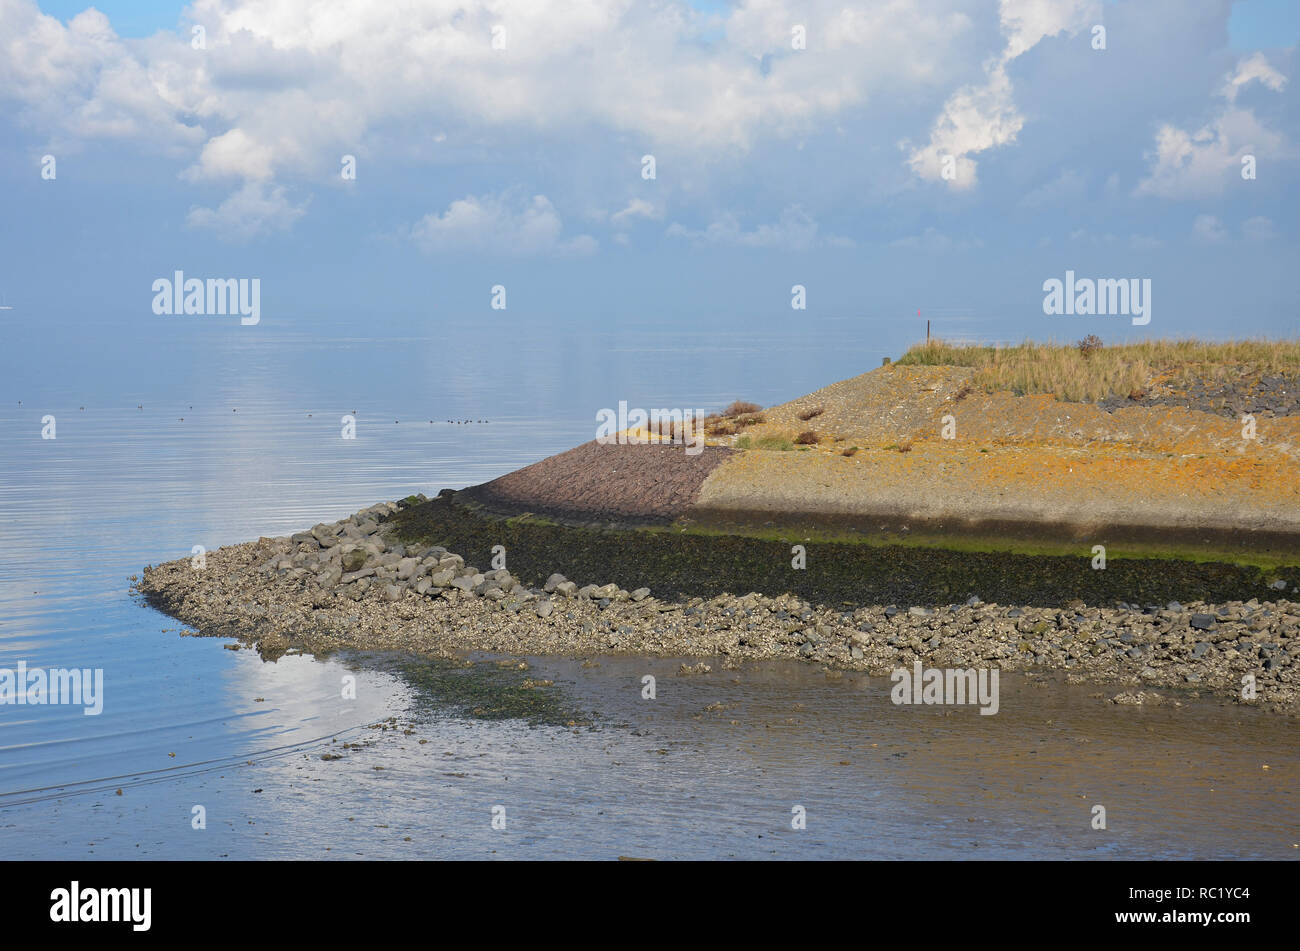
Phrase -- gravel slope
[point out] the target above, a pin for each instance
(642, 483)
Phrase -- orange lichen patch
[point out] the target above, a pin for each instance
(1041, 420)
(939, 479)
(1027, 459)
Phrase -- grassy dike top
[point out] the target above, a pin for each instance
(1166, 453)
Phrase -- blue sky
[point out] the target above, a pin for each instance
(950, 158)
(1253, 24)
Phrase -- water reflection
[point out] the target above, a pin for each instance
(217, 439)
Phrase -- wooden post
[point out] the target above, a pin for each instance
(927, 331)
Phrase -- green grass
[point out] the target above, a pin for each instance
(776, 443)
(1069, 374)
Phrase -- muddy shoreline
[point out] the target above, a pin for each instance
(373, 582)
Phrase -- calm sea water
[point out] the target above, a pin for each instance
(209, 433)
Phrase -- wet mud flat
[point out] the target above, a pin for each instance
(714, 766)
(1181, 776)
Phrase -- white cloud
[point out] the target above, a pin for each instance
(624, 65)
(1251, 69)
(977, 118)
(232, 155)
(82, 82)
(1208, 229)
(1258, 228)
(283, 88)
(795, 230)
(496, 223)
(1026, 22)
(637, 208)
(286, 87)
(254, 210)
(974, 119)
(1203, 163)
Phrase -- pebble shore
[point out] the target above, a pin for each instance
(353, 585)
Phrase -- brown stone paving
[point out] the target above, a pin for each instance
(639, 483)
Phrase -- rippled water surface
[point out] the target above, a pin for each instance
(211, 436)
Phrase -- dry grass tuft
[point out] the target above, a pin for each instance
(740, 408)
(808, 414)
(1075, 373)
(719, 424)
(1089, 345)
(733, 419)
(808, 437)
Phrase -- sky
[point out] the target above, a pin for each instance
(906, 161)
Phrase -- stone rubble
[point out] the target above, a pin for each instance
(353, 585)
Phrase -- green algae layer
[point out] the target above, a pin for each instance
(676, 563)
(484, 691)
